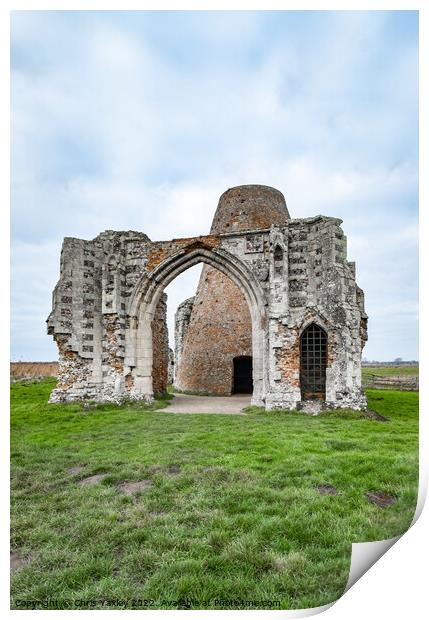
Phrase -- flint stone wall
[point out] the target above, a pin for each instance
(170, 366)
(182, 318)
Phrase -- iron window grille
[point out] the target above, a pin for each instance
(313, 359)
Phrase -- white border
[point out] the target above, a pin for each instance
(396, 585)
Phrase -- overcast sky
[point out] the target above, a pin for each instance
(140, 120)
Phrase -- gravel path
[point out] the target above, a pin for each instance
(185, 403)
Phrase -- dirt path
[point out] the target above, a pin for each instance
(184, 403)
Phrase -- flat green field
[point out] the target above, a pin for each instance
(390, 371)
(228, 515)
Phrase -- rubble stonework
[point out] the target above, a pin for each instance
(182, 318)
(108, 315)
(161, 350)
(170, 366)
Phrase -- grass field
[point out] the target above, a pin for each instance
(390, 371)
(40, 370)
(228, 507)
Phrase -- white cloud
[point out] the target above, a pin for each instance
(109, 132)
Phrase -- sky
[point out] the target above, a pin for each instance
(140, 120)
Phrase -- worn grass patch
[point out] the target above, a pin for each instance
(230, 508)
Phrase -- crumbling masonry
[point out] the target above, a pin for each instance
(287, 304)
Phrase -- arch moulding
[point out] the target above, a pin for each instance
(146, 295)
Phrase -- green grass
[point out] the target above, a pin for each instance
(239, 517)
(390, 371)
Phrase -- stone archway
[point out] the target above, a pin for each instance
(289, 272)
(145, 297)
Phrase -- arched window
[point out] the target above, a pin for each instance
(313, 358)
(278, 261)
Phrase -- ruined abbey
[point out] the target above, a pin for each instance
(277, 313)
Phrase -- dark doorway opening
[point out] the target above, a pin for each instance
(313, 358)
(243, 376)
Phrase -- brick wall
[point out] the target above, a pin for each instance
(220, 329)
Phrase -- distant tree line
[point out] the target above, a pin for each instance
(398, 361)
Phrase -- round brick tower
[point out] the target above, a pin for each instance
(216, 350)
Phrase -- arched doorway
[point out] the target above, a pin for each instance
(242, 375)
(139, 351)
(313, 360)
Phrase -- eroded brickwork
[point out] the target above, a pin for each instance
(161, 352)
(249, 207)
